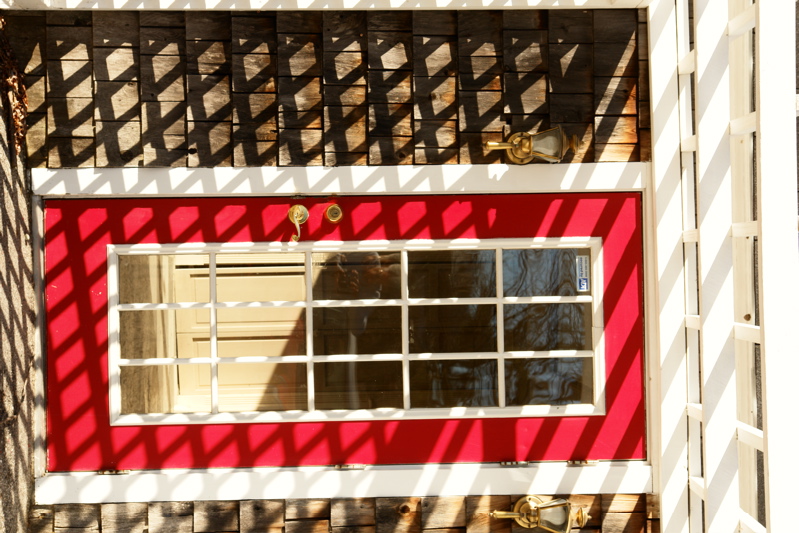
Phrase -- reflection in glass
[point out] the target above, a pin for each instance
(150, 279)
(551, 381)
(166, 389)
(261, 331)
(357, 330)
(452, 328)
(356, 276)
(541, 272)
(453, 383)
(452, 274)
(163, 333)
(262, 387)
(361, 385)
(547, 327)
(260, 277)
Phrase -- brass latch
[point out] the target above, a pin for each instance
(556, 516)
(548, 145)
(298, 214)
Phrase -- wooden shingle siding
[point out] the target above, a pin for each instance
(333, 88)
(610, 513)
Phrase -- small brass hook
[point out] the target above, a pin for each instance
(298, 214)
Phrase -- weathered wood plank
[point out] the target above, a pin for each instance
(311, 508)
(392, 87)
(571, 107)
(394, 20)
(116, 64)
(348, 159)
(615, 96)
(308, 526)
(571, 68)
(210, 146)
(299, 21)
(69, 43)
(434, 98)
(473, 152)
(36, 140)
(386, 120)
(160, 118)
(480, 111)
(526, 93)
(525, 50)
(115, 28)
(68, 17)
(652, 507)
(116, 100)
(615, 59)
(653, 526)
(615, 130)
(254, 132)
(118, 144)
(207, 25)
(40, 519)
(435, 22)
(396, 515)
(645, 144)
(478, 509)
(299, 94)
(163, 79)
(391, 151)
(344, 68)
(623, 503)
(527, 19)
(123, 517)
(162, 41)
(434, 55)
(643, 81)
(479, 33)
(167, 151)
(345, 131)
(615, 26)
(344, 95)
(624, 523)
(252, 153)
(35, 90)
(255, 107)
(531, 123)
(480, 74)
(352, 512)
(208, 57)
(170, 517)
(70, 152)
(259, 515)
(299, 54)
(208, 98)
(644, 114)
(436, 133)
(28, 40)
(642, 38)
(571, 26)
(344, 31)
(431, 155)
(254, 73)
(390, 50)
(69, 79)
(70, 117)
(174, 19)
(292, 119)
(443, 512)
(302, 148)
(254, 33)
(77, 515)
(211, 516)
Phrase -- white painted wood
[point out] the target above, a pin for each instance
(39, 388)
(695, 411)
(322, 482)
(747, 332)
(697, 486)
(751, 436)
(744, 124)
(745, 229)
(742, 22)
(667, 342)
(688, 144)
(290, 181)
(687, 64)
(778, 254)
(690, 235)
(751, 525)
(693, 322)
(269, 5)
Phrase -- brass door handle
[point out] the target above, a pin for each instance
(298, 214)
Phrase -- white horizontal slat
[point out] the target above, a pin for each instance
(750, 435)
(749, 524)
(697, 486)
(746, 332)
(693, 322)
(687, 64)
(745, 229)
(688, 144)
(690, 235)
(742, 23)
(744, 125)
(695, 411)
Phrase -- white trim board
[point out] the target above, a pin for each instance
(290, 181)
(631, 477)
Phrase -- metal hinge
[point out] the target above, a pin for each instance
(514, 463)
(113, 472)
(582, 463)
(349, 467)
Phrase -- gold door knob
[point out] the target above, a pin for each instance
(298, 214)
(333, 213)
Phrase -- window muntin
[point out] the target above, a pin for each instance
(330, 331)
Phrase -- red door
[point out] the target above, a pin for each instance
(81, 436)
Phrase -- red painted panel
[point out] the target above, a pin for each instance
(80, 437)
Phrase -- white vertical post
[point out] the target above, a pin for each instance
(714, 204)
(664, 230)
(779, 258)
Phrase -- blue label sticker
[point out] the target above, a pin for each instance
(583, 273)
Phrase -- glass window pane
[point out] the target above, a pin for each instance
(453, 328)
(265, 331)
(260, 277)
(262, 387)
(547, 327)
(161, 279)
(546, 272)
(453, 383)
(166, 389)
(163, 333)
(357, 330)
(452, 274)
(356, 275)
(555, 381)
(361, 385)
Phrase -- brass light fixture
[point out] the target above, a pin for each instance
(548, 145)
(556, 516)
